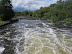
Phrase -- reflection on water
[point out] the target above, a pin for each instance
(36, 37)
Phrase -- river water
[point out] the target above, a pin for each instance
(35, 37)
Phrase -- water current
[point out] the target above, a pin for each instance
(35, 37)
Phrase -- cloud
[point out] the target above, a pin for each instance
(30, 5)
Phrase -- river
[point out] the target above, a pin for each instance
(35, 37)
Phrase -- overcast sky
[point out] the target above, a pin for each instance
(30, 5)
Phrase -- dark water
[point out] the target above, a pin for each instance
(36, 37)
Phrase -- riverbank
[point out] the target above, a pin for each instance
(3, 23)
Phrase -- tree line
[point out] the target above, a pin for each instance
(6, 12)
(25, 13)
(60, 11)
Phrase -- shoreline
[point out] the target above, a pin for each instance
(9, 22)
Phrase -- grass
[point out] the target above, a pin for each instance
(68, 20)
(14, 18)
(5, 22)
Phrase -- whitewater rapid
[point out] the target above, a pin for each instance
(35, 37)
(40, 38)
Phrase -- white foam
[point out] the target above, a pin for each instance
(1, 49)
(38, 38)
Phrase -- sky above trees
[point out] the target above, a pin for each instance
(31, 5)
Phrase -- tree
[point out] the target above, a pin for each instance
(26, 13)
(59, 11)
(40, 13)
(30, 13)
(6, 11)
(52, 5)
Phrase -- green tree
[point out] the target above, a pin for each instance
(26, 13)
(6, 11)
(30, 13)
(40, 13)
(61, 10)
(52, 5)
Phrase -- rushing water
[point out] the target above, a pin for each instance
(35, 37)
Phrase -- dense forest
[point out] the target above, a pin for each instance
(6, 12)
(60, 11)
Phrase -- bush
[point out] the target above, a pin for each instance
(68, 19)
(1, 17)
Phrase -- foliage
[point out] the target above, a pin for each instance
(60, 11)
(40, 12)
(57, 12)
(6, 12)
(68, 20)
(25, 13)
